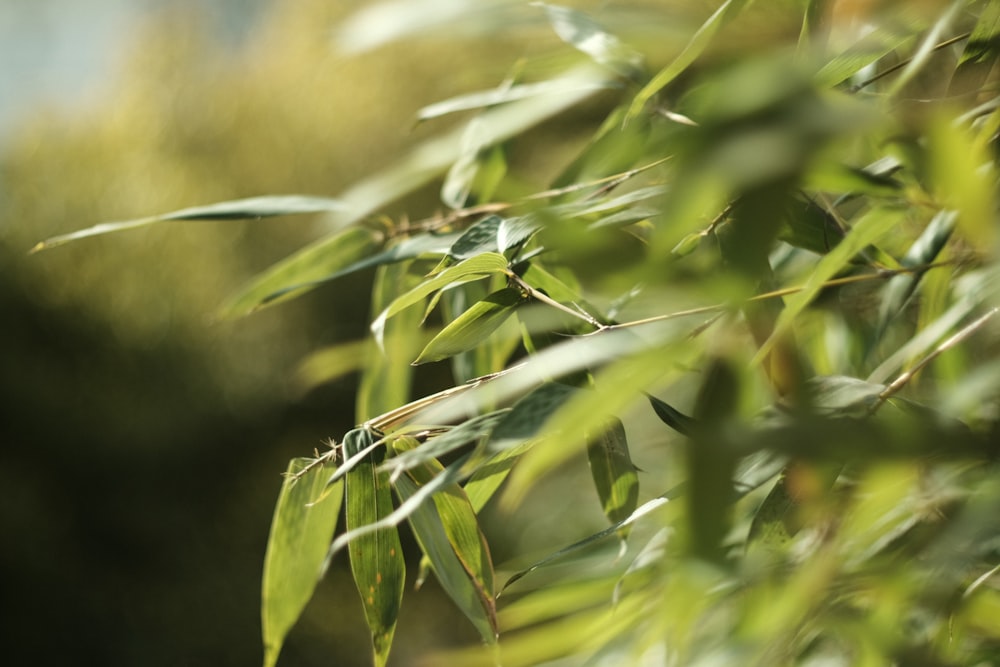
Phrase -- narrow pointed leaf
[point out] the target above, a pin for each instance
(305, 518)
(694, 48)
(980, 54)
(923, 251)
(771, 528)
(584, 33)
(672, 417)
(239, 209)
(376, 557)
(347, 247)
(614, 474)
(473, 326)
(479, 238)
(495, 96)
(871, 227)
(473, 268)
(484, 483)
(449, 534)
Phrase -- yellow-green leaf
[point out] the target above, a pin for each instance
(473, 326)
(312, 264)
(305, 518)
(615, 476)
(449, 535)
(376, 557)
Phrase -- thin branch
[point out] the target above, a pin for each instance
(951, 342)
(538, 295)
(903, 63)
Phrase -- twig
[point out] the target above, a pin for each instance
(903, 63)
(908, 375)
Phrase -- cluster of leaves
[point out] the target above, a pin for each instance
(802, 231)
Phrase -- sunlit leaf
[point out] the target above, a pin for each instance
(479, 238)
(472, 326)
(376, 557)
(449, 533)
(869, 229)
(239, 209)
(614, 474)
(305, 518)
(694, 48)
(981, 53)
(584, 33)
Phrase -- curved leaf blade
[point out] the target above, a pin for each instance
(449, 534)
(318, 261)
(473, 326)
(615, 477)
(237, 209)
(305, 518)
(376, 557)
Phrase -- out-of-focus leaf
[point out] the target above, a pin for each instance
(872, 226)
(491, 473)
(923, 251)
(694, 48)
(711, 461)
(239, 209)
(842, 396)
(615, 476)
(923, 54)
(449, 534)
(530, 413)
(640, 512)
(980, 54)
(964, 177)
(870, 48)
(408, 248)
(305, 518)
(584, 33)
(344, 249)
(472, 326)
(502, 95)
(331, 363)
(514, 231)
(387, 375)
(477, 172)
(771, 527)
(376, 557)
(380, 23)
(480, 237)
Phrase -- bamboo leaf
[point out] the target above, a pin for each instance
(479, 238)
(980, 54)
(672, 417)
(871, 227)
(473, 326)
(505, 94)
(771, 528)
(585, 34)
(490, 474)
(376, 557)
(694, 48)
(238, 209)
(305, 518)
(923, 251)
(473, 268)
(344, 249)
(614, 474)
(449, 535)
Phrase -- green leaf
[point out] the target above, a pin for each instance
(981, 53)
(474, 268)
(477, 172)
(455, 438)
(672, 417)
(377, 556)
(927, 47)
(387, 375)
(772, 528)
(491, 473)
(479, 238)
(615, 476)
(584, 33)
(694, 48)
(923, 251)
(506, 94)
(473, 326)
(305, 518)
(449, 534)
(870, 48)
(530, 413)
(872, 226)
(342, 250)
(239, 209)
